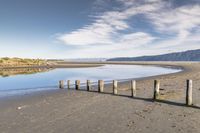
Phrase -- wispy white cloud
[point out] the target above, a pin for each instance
(179, 21)
(108, 32)
(106, 27)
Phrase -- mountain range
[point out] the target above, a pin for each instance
(190, 55)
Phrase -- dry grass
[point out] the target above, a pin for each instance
(11, 62)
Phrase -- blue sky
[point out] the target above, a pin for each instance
(97, 28)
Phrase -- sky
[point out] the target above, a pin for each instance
(97, 28)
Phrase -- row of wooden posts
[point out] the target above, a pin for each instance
(132, 87)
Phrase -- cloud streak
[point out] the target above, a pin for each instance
(112, 30)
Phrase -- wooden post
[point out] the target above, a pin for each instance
(100, 85)
(156, 89)
(77, 84)
(189, 93)
(115, 87)
(68, 84)
(133, 88)
(88, 85)
(61, 84)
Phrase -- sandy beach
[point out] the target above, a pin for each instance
(71, 111)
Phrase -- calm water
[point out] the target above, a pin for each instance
(23, 83)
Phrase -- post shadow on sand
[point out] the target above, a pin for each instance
(144, 99)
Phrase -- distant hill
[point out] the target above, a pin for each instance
(191, 55)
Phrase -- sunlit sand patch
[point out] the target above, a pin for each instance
(170, 95)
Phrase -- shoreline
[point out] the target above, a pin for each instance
(52, 66)
(91, 64)
(82, 111)
(66, 64)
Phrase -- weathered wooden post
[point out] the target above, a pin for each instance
(88, 85)
(189, 93)
(100, 85)
(156, 89)
(68, 84)
(61, 84)
(77, 84)
(133, 88)
(115, 87)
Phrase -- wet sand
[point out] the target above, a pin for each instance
(81, 111)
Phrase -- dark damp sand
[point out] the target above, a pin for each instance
(81, 111)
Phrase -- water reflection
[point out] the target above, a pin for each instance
(21, 81)
(20, 71)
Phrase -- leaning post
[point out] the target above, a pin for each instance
(115, 87)
(156, 89)
(189, 93)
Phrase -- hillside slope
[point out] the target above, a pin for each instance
(191, 55)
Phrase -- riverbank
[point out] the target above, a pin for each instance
(10, 70)
(19, 63)
(81, 111)
(13, 62)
